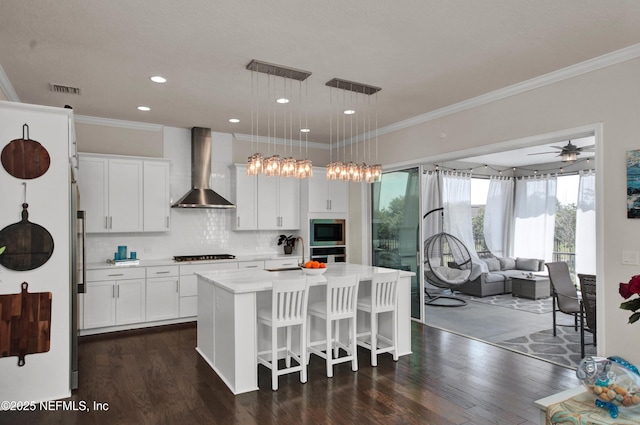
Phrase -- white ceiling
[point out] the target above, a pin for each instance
(424, 54)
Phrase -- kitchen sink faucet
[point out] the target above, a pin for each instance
(299, 238)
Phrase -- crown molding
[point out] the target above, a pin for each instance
(278, 141)
(609, 59)
(108, 122)
(7, 87)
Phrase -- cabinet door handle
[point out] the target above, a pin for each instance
(167, 222)
(164, 272)
(117, 291)
(238, 225)
(177, 286)
(110, 222)
(115, 274)
(328, 208)
(106, 222)
(251, 267)
(113, 291)
(330, 205)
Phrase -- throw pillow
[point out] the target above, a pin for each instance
(507, 263)
(493, 264)
(528, 264)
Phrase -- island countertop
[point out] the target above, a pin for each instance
(244, 281)
(228, 300)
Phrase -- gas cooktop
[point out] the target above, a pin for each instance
(205, 257)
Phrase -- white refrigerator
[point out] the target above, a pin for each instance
(44, 374)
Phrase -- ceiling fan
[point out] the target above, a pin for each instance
(569, 152)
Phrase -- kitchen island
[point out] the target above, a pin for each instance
(228, 301)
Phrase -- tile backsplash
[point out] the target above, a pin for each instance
(193, 231)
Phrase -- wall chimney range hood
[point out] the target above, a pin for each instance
(201, 195)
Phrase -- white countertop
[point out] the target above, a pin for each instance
(244, 281)
(172, 262)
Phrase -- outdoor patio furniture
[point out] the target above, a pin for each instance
(588, 294)
(565, 295)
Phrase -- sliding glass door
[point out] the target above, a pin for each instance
(395, 233)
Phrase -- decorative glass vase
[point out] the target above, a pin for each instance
(613, 381)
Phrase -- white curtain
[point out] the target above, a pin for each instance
(498, 216)
(456, 199)
(534, 211)
(586, 224)
(430, 201)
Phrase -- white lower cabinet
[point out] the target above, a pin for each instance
(163, 293)
(189, 285)
(114, 297)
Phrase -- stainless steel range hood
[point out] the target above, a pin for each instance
(201, 195)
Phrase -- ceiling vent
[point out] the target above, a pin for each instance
(58, 88)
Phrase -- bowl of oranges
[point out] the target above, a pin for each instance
(314, 267)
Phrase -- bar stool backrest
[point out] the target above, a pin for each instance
(384, 291)
(342, 296)
(289, 302)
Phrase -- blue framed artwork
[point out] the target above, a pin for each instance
(633, 184)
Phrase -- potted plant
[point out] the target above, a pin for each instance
(288, 241)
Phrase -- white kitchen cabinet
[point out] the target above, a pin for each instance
(163, 293)
(156, 196)
(326, 195)
(124, 194)
(282, 263)
(114, 297)
(245, 197)
(258, 265)
(265, 202)
(278, 203)
(189, 285)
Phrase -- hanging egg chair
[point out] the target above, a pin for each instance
(447, 265)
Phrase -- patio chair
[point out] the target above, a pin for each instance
(565, 295)
(588, 294)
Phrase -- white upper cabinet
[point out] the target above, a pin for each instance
(122, 194)
(326, 195)
(125, 195)
(156, 200)
(245, 191)
(278, 203)
(265, 202)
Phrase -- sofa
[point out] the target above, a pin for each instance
(498, 279)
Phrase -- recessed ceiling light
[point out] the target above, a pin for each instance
(158, 79)
(144, 108)
(304, 130)
(349, 112)
(234, 120)
(282, 100)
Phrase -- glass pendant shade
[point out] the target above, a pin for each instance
(254, 164)
(272, 166)
(288, 167)
(304, 169)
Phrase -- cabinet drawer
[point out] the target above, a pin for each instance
(162, 271)
(282, 263)
(195, 268)
(251, 265)
(116, 274)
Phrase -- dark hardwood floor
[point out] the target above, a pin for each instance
(155, 376)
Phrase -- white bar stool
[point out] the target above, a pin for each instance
(288, 309)
(384, 296)
(342, 296)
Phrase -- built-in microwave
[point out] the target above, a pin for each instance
(327, 232)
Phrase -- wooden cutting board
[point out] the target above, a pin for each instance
(25, 323)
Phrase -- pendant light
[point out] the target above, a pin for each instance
(272, 164)
(358, 112)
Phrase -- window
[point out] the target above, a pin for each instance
(479, 193)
